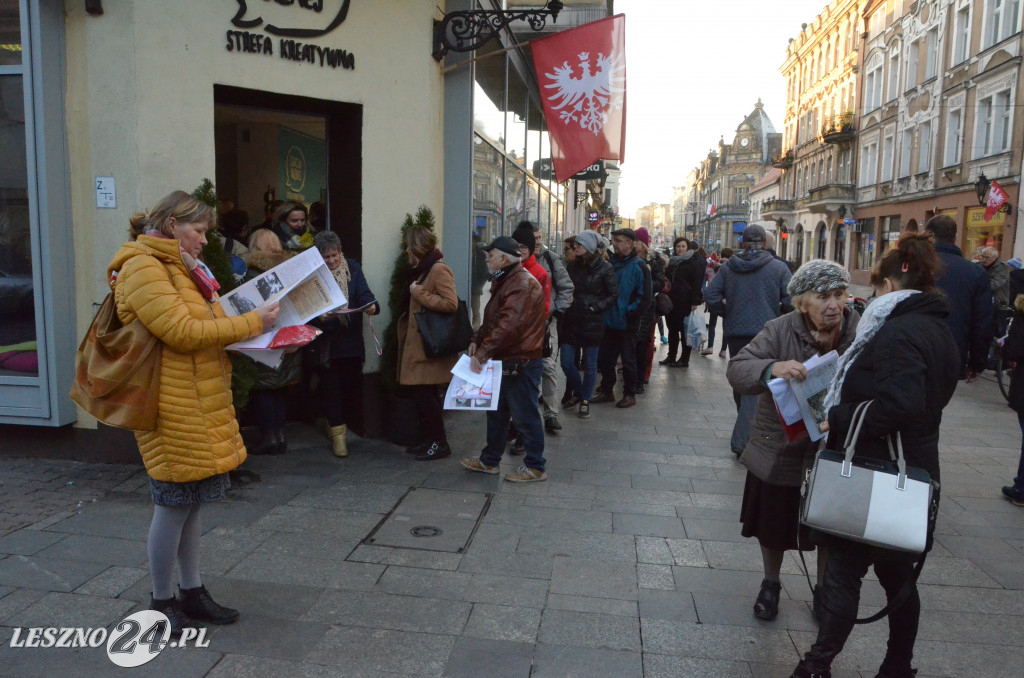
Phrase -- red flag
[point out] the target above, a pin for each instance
(996, 198)
(582, 77)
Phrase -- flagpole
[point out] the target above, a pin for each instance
(449, 69)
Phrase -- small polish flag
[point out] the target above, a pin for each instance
(711, 210)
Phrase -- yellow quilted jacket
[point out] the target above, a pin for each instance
(196, 432)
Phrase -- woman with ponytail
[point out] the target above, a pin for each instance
(904, 358)
(158, 279)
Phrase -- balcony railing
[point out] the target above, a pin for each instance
(783, 161)
(838, 129)
(737, 211)
(773, 207)
(827, 198)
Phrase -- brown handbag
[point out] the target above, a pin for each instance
(117, 371)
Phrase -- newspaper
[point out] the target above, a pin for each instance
(800, 403)
(305, 289)
(810, 393)
(480, 392)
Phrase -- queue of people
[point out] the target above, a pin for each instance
(597, 305)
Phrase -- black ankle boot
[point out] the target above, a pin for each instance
(802, 672)
(175, 615)
(280, 443)
(766, 606)
(198, 604)
(267, 444)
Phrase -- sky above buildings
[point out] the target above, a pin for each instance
(695, 70)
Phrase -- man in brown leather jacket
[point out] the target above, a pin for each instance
(512, 332)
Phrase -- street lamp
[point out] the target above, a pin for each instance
(465, 31)
(981, 186)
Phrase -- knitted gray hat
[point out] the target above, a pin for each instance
(818, 276)
(590, 240)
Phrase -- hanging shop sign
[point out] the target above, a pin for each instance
(593, 216)
(544, 169)
(279, 27)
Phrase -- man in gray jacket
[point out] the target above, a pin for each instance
(561, 299)
(748, 291)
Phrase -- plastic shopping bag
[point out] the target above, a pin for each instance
(696, 330)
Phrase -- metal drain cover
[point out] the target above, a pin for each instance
(426, 531)
(432, 520)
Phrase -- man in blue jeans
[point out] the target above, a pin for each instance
(512, 332)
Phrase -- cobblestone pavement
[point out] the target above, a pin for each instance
(627, 562)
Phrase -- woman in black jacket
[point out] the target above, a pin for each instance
(686, 276)
(595, 290)
(906, 361)
(1013, 349)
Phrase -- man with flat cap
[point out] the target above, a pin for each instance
(748, 291)
(622, 322)
(512, 332)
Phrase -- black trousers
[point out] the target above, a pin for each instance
(614, 344)
(847, 564)
(342, 390)
(431, 411)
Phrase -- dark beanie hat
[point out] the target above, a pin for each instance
(524, 235)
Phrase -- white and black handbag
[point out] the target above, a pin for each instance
(881, 503)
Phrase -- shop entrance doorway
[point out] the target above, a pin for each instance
(274, 147)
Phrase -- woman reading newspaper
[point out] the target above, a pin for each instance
(820, 324)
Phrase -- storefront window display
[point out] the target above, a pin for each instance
(890, 232)
(18, 345)
(979, 233)
(864, 245)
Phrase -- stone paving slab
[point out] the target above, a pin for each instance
(627, 562)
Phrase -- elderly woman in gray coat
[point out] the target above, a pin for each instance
(771, 497)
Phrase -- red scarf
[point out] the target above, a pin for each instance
(207, 285)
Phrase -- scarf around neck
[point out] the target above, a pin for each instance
(870, 323)
(201, 275)
(342, 275)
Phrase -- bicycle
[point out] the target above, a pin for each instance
(1002, 367)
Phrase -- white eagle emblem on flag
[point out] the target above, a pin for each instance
(588, 98)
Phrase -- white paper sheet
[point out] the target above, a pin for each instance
(463, 370)
(462, 395)
(304, 287)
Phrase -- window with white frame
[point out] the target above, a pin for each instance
(992, 129)
(906, 144)
(962, 35)
(931, 46)
(912, 53)
(924, 158)
(893, 90)
(873, 84)
(1001, 20)
(876, 23)
(887, 151)
(954, 132)
(869, 164)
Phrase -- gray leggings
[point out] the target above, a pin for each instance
(174, 534)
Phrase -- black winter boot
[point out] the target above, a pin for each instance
(766, 606)
(802, 672)
(198, 604)
(280, 442)
(175, 615)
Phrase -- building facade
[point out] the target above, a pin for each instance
(938, 112)
(340, 101)
(816, 188)
(724, 179)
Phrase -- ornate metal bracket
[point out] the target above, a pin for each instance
(471, 29)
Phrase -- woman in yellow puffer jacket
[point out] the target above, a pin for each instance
(158, 279)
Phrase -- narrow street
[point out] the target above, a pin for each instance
(627, 562)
